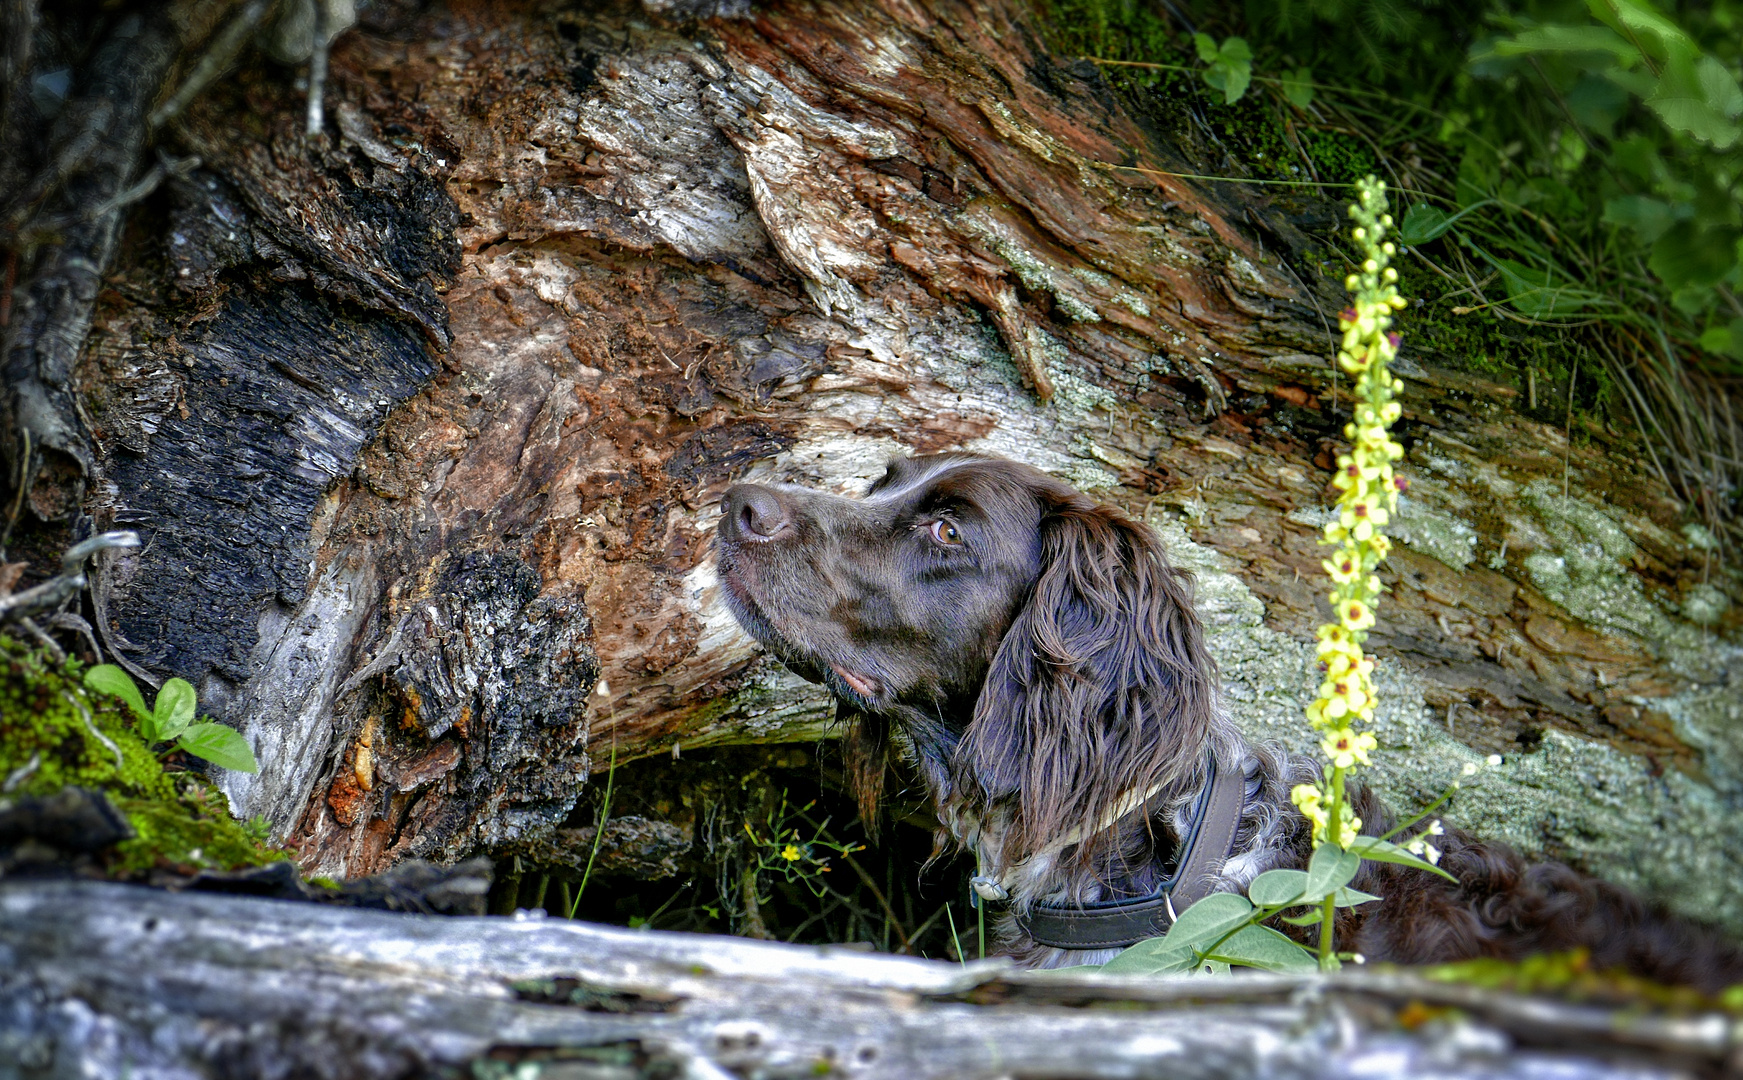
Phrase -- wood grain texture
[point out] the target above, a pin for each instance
(105, 979)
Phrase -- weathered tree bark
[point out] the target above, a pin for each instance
(424, 421)
(108, 979)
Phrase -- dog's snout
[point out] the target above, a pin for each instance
(755, 514)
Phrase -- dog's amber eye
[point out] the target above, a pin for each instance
(946, 533)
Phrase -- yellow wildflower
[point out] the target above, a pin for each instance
(1354, 614)
(1346, 747)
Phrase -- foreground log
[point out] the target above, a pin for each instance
(113, 980)
(423, 420)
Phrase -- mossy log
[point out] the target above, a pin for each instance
(424, 421)
(111, 980)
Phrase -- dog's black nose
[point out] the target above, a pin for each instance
(753, 513)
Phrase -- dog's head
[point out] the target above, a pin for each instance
(1034, 644)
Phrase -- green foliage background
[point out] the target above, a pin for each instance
(1571, 176)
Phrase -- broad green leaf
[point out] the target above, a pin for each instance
(109, 679)
(1720, 87)
(1650, 218)
(1642, 19)
(1725, 340)
(1298, 87)
(1378, 850)
(1421, 224)
(1197, 928)
(1264, 948)
(1688, 254)
(1540, 292)
(1330, 868)
(1699, 98)
(1348, 897)
(1568, 39)
(222, 746)
(1275, 887)
(175, 708)
(1150, 958)
(1638, 84)
(1206, 46)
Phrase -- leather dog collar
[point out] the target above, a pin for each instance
(1115, 924)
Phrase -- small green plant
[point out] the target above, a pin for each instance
(1224, 929)
(1228, 67)
(784, 848)
(172, 719)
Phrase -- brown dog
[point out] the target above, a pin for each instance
(1040, 663)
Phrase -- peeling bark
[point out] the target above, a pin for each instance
(432, 412)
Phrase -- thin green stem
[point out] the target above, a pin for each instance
(954, 940)
(1328, 960)
(1427, 810)
(604, 818)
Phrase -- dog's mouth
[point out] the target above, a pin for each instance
(859, 684)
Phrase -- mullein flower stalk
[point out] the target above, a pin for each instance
(1369, 497)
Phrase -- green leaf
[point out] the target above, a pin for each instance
(1568, 39)
(1275, 887)
(1720, 88)
(1311, 918)
(1638, 84)
(1229, 68)
(1378, 850)
(1298, 87)
(1540, 292)
(1330, 868)
(1197, 928)
(222, 746)
(109, 679)
(1699, 98)
(1348, 897)
(175, 708)
(1650, 218)
(1725, 340)
(1264, 948)
(1688, 254)
(1642, 19)
(1421, 224)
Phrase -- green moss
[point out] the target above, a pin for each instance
(53, 733)
(1571, 976)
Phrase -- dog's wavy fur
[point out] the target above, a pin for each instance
(1049, 665)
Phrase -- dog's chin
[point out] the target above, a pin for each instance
(852, 688)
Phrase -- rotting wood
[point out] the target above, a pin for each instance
(107, 978)
(432, 412)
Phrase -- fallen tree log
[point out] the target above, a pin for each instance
(103, 979)
(422, 421)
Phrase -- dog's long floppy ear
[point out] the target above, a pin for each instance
(1102, 688)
